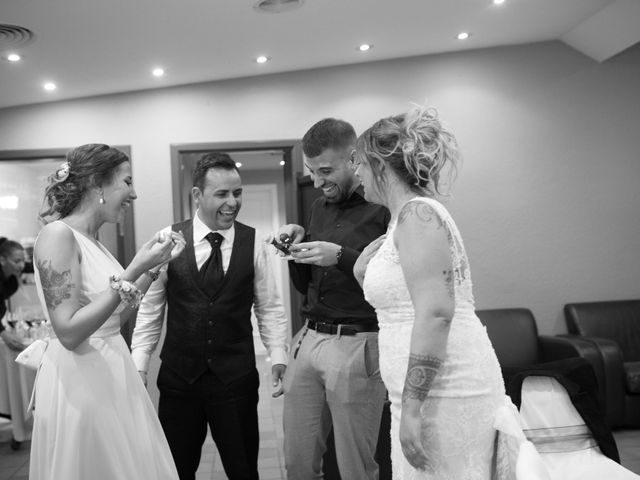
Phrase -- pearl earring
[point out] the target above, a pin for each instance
(101, 200)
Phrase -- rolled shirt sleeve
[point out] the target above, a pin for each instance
(268, 306)
(148, 330)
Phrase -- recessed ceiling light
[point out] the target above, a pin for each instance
(158, 72)
(498, 2)
(49, 86)
(14, 57)
(364, 47)
(238, 164)
(262, 59)
(463, 36)
(282, 162)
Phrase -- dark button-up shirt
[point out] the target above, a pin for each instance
(332, 293)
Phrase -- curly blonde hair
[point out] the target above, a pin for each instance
(416, 146)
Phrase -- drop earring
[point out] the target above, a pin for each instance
(101, 200)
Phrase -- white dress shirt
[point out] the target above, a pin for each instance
(267, 304)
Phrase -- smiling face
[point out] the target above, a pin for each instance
(220, 199)
(118, 193)
(332, 174)
(13, 262)
(368, 180)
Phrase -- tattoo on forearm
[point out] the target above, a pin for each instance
(421, 372)
(56, 286)
(421, 211)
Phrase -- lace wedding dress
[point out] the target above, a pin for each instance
(459, 413)
(93, 418)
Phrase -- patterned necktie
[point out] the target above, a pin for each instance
(211, 273)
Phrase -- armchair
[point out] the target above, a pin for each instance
(614, 329)
(514, 335)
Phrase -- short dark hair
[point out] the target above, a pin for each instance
(327, 133)
(88, 166)
(207, 162)
(7, 246)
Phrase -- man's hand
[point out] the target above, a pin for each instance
(293, 231)
(143, 377)
(12, 341)
(277, 374)
(322, 254)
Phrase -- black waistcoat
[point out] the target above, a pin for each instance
(210, 330)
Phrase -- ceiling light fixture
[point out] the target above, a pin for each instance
(277, 6)
(463, 36)
(49, 86)
(364, 47)
(158, 72)
(14, 57)
(262, 59)
(498, 2)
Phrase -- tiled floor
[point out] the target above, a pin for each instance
(14, 465)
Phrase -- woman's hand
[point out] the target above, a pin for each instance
(411, 438)
(360, 267)
(160, 249)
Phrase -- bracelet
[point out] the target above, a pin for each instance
(153, 275)
(128, 292)
(339, 254)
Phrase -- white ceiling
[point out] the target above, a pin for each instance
(92, 47)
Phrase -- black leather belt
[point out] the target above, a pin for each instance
(339, 328)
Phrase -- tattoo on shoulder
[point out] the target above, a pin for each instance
(421, 372)
(421, 211)
(56, 285)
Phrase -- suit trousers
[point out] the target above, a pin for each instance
(332, 380)
(230, 411)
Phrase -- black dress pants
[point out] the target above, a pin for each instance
(230, 410)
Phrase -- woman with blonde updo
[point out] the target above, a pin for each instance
(436, 360)
(93, 418)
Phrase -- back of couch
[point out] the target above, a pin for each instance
(615, 320)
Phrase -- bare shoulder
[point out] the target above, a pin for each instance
(419, 213)
(421, 231)
(55, 242)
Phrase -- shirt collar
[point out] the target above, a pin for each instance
(200, 230)
(356, 197)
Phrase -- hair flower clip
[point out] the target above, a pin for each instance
(62, 173)
(408, 147)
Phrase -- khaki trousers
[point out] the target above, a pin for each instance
(332, 380)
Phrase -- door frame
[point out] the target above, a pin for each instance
(292, 154)
(293, 170)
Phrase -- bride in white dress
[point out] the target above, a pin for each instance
(436, 359)
(93, 418)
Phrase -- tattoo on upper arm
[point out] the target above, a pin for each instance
(56, 285)
(423, 212)
(421, 372)
(448, 281)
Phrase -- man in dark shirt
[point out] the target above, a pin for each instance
(333, 378)
(11, 266)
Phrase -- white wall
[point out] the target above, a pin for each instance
(547, 199)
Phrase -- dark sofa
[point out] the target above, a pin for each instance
(614, 329)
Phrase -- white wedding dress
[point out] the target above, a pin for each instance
(460, 410)
(93, 418)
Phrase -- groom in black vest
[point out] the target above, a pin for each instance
(208, 373)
